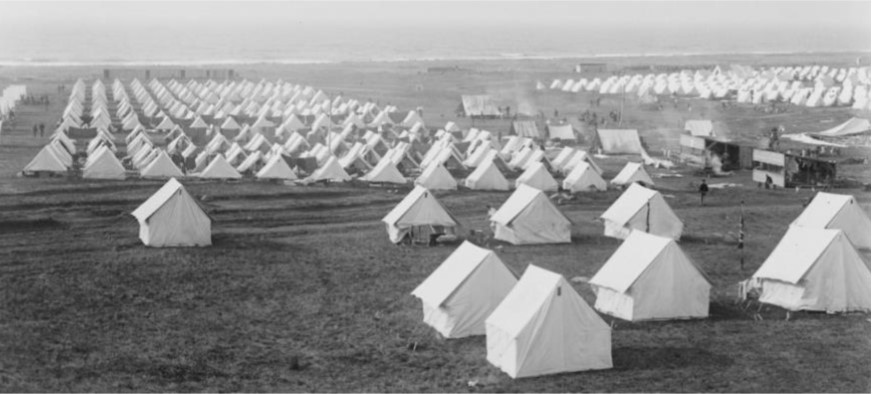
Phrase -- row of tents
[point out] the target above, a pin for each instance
(539, 325)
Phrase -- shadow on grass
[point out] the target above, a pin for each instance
(649, 358)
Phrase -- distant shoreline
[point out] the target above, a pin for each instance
(440, 59)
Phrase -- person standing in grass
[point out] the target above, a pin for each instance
(42, 129)
(35, 130)
(703, 190)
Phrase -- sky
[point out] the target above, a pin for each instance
(849, 16)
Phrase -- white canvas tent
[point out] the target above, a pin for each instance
(632, 173)
(464, 290)
(640, 208)
(529, 217)
(104, 165)
(171, 217)
(650, 278)
(276, 168)
(161, 167)
(487, 177)
(817, 270)
(583, 178)
(385, 171)
(436, 177)
(419, 209)
(837, 211)
(45, 161)
(219, 168)
(544, 327)
(331, 171)
(619, 141)
(537, 175)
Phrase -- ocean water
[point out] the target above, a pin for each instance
(90, 44)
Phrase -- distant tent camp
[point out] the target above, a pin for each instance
(219, 168)
(478, 106)
(816, 270)
(583, 178)
(418, 215)
(632, 173)
(640, 208)
(851, 127)
(529, 217)
(619, 141)
(562, 132)
(463, 291)
(537, 175)
(487, 177)
(161, 167)
(436, 177)
(103, 166)
(276, 168)
(525, 128)
(837, 211)
(650, 278)
(544, 327)
(171, 217)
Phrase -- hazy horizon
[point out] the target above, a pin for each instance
(342, 31)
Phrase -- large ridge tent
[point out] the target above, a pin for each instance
(650, 278)
(562, 132)
(525, 128)
(463, 291)
(817, 270)
(478, 106)
(544, 327)
(837, 211)
(529, 217)
(619, 141)
(640, 208)
(171, 217)
(418, 215)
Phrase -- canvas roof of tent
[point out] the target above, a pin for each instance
(451, 274)
(698, 128)
(331, 170)
(276, 167)
(619, 141)
(561, 132)
(435, 170)
(632, 259)
(157, 200)
(46, 160)
(628, 203)
(517, 202)
(384, 171)
(478, 105)
(219, 168)
(823, 209)
(628, 171)
(528, 297)
(525, 128)
(850, 127)
(796, 253)
(537, 171)
(443, 217)
(104, 160)
(161, 166)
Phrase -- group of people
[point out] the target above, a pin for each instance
(39, 130)
(35, 100)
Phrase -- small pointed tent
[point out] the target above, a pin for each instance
(583, 178)
(632, 173)
(463, 291)
(219, 168)
(837, 211)
(103, 166)
(536, 175)
(330, 171)
(45, 161)
(276, 168)
(487, 177)
(640, 208)
(385, 171)
(171, 217)
(650, 278)
(544, 327)
(161, 167)
(529, 217)
(419, 209)
(436, 177)
(817, 270)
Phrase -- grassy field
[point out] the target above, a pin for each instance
(302, 291)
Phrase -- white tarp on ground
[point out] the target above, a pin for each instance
(640, 208)
(544, 327)
(464, 290)
(418, 208)
(650, 278)
(817, 270)
(529, 217)
(837, 211)
(620, 141)
(170, 217)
